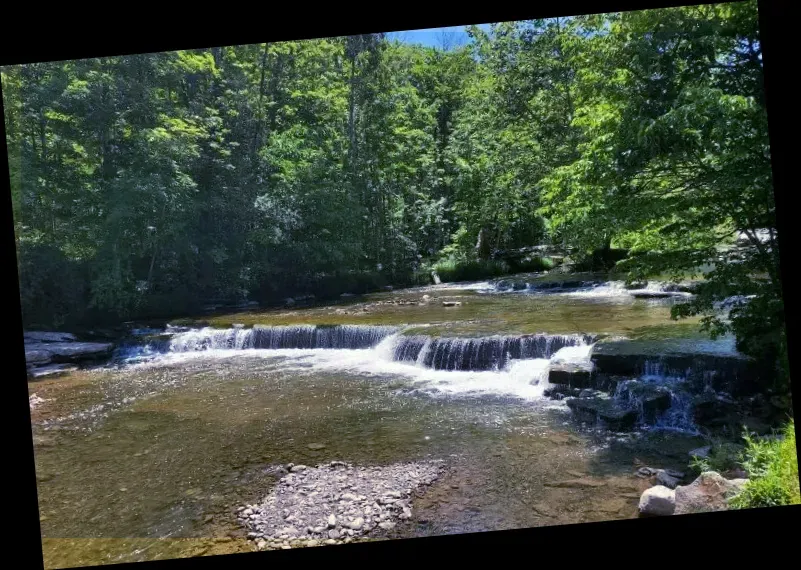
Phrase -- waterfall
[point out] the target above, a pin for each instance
(485, 353)
(281, 337)
(661, 397)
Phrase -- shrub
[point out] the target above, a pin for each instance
(450, 270)
(772, 467)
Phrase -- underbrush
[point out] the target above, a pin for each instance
(772, 467)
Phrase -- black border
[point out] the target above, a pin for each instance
(711, 536)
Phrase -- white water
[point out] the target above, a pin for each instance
(526, 379)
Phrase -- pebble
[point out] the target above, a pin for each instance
(337, 502)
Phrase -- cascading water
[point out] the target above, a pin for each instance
(512, 365)
(487, 353)
(660, 397)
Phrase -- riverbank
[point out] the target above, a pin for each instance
(185, 426)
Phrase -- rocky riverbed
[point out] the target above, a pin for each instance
(336, 502)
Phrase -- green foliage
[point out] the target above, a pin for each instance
(723, 457)
(153, 182)
(454, 270)
(772, 467)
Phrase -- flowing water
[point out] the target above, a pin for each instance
(151, 456)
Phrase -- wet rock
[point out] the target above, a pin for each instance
(651, 294)
(646, 472)
(657, 501)
(519, 285)
(37, 356)
(650, 398)
(503, 285)
(666, 480)
(43, 336)
(573, 375)
(593, 407)
(559, 391)
(51, 370)
(451, 303)
(709, 492)
(68, 351)
(701, 452)
(712, 409)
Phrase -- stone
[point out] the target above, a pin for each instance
(597, 406)
(332, 521)
(43, 336)
(386, 525)
(316, 446)
(357, 523)
(312, 542)
(701, 452)
(330, 541)
(297, 468)
(666, 480)
(69, 351)
(572, 375)
(451, 303)
(657, 501)
(37, 356)
(51, 370)
(333, 534)
(709, 492)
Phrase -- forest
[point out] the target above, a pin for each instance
(150, 185)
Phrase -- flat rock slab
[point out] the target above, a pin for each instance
(597, 407)
(36, 356)
(68, 350)
(574, 375)
(51, 370)
(709, 492)
(42, 336)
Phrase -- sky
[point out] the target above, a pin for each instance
(432, 37)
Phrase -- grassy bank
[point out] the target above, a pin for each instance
(772, 467)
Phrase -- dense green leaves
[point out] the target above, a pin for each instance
(157, 182)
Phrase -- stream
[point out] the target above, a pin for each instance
(153, 454)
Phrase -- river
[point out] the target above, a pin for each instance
(152, 455)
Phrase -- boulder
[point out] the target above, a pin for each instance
(42, 336)
(36, 356)
(571, 374)
(709, 492)
(519, 285)
(593, 406)
(70, 351)
(667, 480)
(652, 399)
(712, 409)
(503, 285)
(657, 501)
